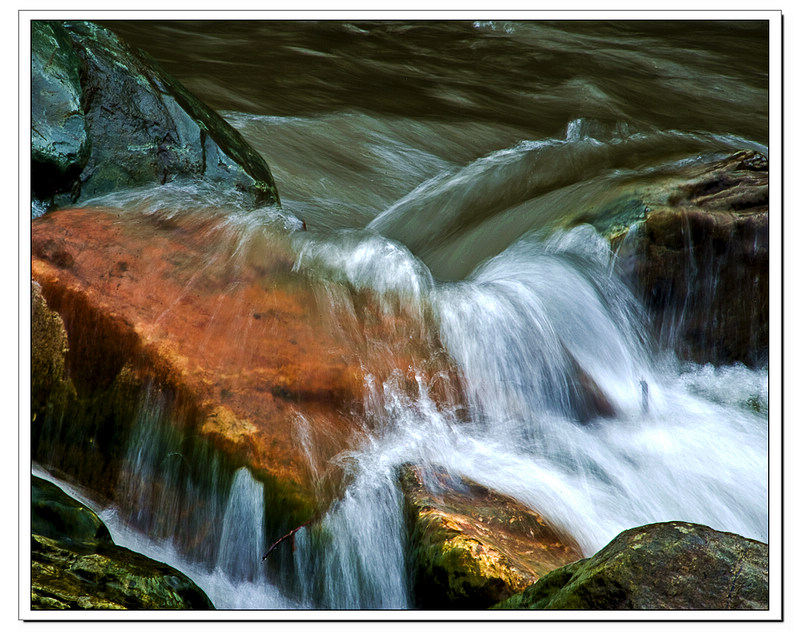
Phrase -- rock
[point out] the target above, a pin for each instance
(672, 565)
(697, 254)
(56, 515)
(50, 385)
(127, 124)
(473, 547)
(59, 141)
(214, 320)
(76, 565)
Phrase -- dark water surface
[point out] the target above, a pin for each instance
(490, 129)
(534, 76)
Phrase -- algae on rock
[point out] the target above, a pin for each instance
(76, 565)
(473, 547)
(671, 565)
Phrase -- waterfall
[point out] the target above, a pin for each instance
(539, 334)
(241, 542)
(568, 407)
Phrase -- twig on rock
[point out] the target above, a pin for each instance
(286, 536)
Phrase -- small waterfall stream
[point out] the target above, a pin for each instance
(486, 226)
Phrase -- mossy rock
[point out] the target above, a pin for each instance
(56, 515)
(76, 565)
(672, 565)
(50, 385)
(106, 577)
(471, 546)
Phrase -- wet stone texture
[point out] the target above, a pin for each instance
(214, 317)
(473, 547)
(672, 565)
(699, 259)
(107, 117)
(76, 565)
(59, 142)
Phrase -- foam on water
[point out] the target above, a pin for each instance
(443, 191)
(568, 409)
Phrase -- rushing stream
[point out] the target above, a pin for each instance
(451, 169)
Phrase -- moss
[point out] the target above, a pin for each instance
(106, 577)
(544, 590)
(50, 386)
(473, 547)
(672, 565)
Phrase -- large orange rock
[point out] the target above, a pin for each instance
(214, 314)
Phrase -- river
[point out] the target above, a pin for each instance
(447, 165)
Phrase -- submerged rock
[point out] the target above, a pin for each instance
(473, 547)
(107, 117)
(672, 565)
(76, 565)
(697, 254)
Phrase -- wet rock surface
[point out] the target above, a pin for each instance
(473, 547)
(697, 254)
(50, 385)
(59, 141)
(106, 117)
(219, 322)
(672, 565)
(76, 565)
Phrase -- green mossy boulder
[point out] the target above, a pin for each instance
(671, 565)
(473, 547)
(56, 515)
(76, 565)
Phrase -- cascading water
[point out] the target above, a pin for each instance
(517, 328)
(475, 227)
(554, 358)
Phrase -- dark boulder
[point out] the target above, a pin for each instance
(125, 123)
(472, 546)
(59, 141)
(698, 257)
(56, 515)
(76, 565)
(672, 565)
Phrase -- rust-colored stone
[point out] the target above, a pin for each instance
(214, 313)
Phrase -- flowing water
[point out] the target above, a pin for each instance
(451, 168)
